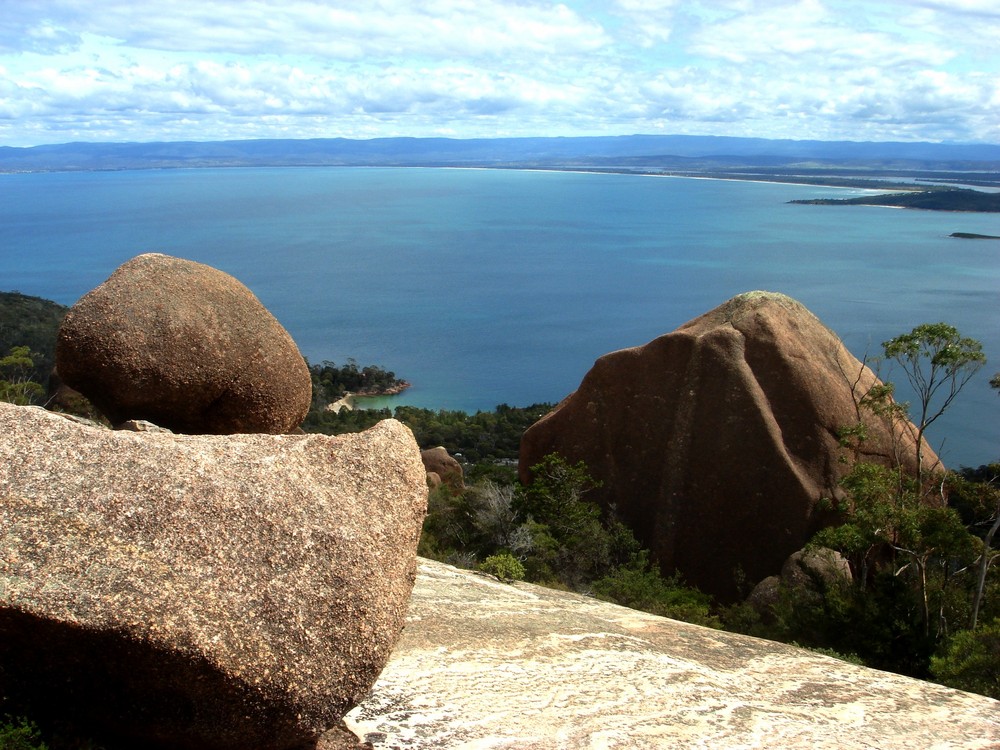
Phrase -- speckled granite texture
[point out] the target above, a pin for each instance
(482, 664)
(176, 591)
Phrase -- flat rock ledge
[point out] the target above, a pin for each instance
(483, 664)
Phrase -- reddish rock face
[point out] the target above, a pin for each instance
(716, 442)
(185, 346)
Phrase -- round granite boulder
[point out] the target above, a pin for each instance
(184, 346)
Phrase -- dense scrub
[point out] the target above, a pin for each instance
(481, 437)
(31, 322)
(551, 533)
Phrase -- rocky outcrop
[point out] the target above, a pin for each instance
(805, 575)
(716, 443)
(185, 346)
(484, 664)
(816, 567)
(175, 591)
(443, 468)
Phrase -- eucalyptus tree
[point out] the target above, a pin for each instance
(938, 362)
(16, 385)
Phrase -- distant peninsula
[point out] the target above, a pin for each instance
(947, 199)
(973, 236)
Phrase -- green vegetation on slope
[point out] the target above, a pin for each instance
(481, 437)
(31, 322)
(950, 199)
(551, 533)
(16, 385)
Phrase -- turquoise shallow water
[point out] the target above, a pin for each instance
(485, 287)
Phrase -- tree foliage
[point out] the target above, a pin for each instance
(331, 383)
(559, 536)
(16, 386)
(971, 661)
(922, 560)
(483, 436)
(938, 362)
(888, 525)
(20, 733)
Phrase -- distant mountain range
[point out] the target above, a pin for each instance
(632, 152)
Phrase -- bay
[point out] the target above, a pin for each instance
(484, 287)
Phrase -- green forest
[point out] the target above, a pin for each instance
(924, 594)
(938, 199)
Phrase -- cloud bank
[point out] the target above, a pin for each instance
(127, 70)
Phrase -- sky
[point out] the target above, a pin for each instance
(135, 70)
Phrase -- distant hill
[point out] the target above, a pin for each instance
(675, 152)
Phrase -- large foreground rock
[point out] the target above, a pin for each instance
(167, 591)
(483, 664)
(185, 346)
(717, 442)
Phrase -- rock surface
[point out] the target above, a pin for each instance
(446, 467)
(816, 568)
(717, 442)
(186, 347)
(175, 591)
(483, 664)
(805, 575)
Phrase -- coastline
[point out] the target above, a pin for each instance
(874, 184)
(833, 180)
(350, 400)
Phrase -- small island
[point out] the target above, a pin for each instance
(973, 236)
(943, 199)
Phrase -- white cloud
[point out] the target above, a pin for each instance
(338, 30)
(986, 8)
(806, 34)
(307, 68)
(971, 28)
(648, 22)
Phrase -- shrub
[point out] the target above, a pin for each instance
(16, 387)
(446, 530)
(20, 734)
(639, 585)
(849, 658)
(972, 661)
(504, 566)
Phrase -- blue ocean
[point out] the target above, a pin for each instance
(484, 287)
